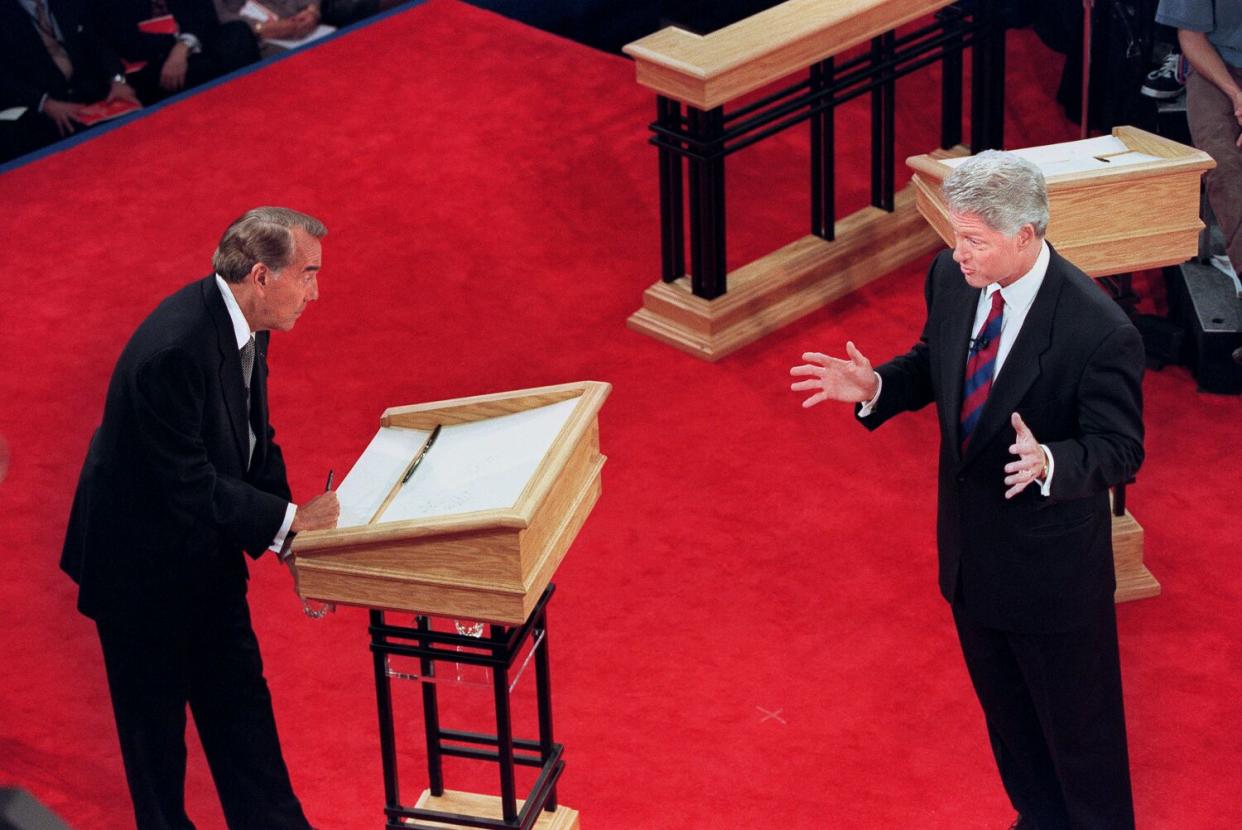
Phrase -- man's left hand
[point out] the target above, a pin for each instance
(1031, 464)
(124, 92)
(172, 74)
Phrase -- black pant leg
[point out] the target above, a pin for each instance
(233, 712)
(232, 46)
(146, 668)
(1075, 682)
(1022, 757)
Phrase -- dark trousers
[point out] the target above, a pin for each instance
(1215, 128)
(208, 658)
(1055, 719)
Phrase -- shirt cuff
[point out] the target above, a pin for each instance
(42, 101)
(866, 408)
(1045, 486)
(278, 542)
(191, 42)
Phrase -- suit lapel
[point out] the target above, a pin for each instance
(229, 368)
(1022, 365)
(955, 335)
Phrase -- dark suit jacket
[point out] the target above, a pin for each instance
(165, 504)
(27, 71)
(1030, 564)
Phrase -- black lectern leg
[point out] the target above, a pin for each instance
(543, 693)
(504, 732)
(383, 700)
(431, 716)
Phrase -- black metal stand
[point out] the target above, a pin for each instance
(498, 652)
(705, 137)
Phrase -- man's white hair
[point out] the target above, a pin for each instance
(1003, 189)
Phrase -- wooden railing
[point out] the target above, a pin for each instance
(708, 312)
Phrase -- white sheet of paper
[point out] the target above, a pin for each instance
(375, 472)
(12, 113)
(1070, 156)
(257, 11)
(1070, 150)
(483, 465)
(320, 31)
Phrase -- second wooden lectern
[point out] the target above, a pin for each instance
(464, 509)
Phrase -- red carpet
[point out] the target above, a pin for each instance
(492, 205)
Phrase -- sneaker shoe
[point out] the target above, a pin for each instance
(1168, 80)
(1221, 263)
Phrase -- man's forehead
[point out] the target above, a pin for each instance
(308, 248)
(969, 221)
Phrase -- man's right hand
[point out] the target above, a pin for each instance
(63, 114)
(832, 378)
(318, 513)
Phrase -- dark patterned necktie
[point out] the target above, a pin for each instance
(159, 8)
(980, 366)
(247, 364)
(48, 32)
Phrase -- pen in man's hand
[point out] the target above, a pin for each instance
(328, 486)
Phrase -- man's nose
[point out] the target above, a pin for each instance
(314, 289)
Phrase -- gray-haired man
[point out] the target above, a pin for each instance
(181, 477)
(1035, 374)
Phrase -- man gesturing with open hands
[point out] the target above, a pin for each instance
(1036, 377)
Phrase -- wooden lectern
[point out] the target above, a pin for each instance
(1117, 204)
(419, 534)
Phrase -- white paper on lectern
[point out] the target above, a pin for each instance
(1103, 152)
(375, 472)
(481, 465)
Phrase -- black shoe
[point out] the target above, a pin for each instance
(1168, 80)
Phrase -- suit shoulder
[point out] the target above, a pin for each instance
(1085, 297)
(180, 322)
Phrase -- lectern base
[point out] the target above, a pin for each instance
(788, 283)
(1134, 581)
(488, 806)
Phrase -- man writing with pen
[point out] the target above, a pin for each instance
(182, 477)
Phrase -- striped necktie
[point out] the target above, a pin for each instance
(47, 31)
(247, 362)
(980, 366)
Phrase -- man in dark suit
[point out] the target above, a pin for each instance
(181, 477)
(1019, 348)
(202, 48)
(52, 62)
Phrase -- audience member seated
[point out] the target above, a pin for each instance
(1210, 34)
(200, 49)
(53, 62)
(293, 19)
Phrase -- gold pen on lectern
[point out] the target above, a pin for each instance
(418, 459)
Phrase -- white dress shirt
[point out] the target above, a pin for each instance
(242, 333)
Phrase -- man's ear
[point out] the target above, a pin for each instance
(1026, 235)
(259, 275)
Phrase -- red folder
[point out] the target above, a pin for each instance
(162, 25)
(106, 110)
